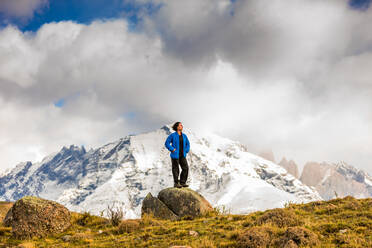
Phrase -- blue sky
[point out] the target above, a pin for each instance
(360, 4)
(84, 11)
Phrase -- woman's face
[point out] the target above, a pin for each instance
(180, 127)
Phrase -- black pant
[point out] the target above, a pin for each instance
(175, 169)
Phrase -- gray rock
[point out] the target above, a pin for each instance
(153, 205)
(185, 201)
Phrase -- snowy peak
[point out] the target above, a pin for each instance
(74, 150)
(353, 173)
(167, 128)
(125, 170)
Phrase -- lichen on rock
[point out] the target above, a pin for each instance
(33, 216)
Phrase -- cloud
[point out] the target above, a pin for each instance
(292, 76)
(321, 47)
(20, 9)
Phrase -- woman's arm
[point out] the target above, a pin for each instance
(168, 145)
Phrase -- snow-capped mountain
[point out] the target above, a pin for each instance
(337, 179)
(124, 171)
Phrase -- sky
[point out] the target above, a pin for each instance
(291, 76)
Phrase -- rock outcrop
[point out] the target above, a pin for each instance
(152, 205)
(337, 180)
(185, 201)
(33, 216)
(174, 203)
(290, 166)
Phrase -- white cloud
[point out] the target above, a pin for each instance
(299, 85)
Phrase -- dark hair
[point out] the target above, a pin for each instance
(175, 125)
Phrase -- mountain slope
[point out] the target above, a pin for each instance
(124, 171)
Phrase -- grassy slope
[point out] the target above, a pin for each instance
(342, 222)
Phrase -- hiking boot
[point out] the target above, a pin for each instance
(184, 185)
(177, 185)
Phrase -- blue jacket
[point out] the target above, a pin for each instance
(174, 139)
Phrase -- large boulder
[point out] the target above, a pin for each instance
(185, 201)
(156, 207)
(177, 202)
(33, 216)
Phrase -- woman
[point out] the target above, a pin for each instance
(178, 144)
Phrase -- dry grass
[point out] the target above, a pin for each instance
(345, 222)
(256, 236)
(115, 214)
(280, 217)
(129, 226)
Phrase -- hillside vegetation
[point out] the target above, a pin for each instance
(341, 222)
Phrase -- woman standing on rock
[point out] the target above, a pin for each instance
(178, 144)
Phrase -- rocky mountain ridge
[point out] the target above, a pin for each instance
(337, 180)
(123, 171)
